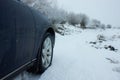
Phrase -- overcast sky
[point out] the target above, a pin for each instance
(107, 11)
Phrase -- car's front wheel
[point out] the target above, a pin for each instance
(45, 54)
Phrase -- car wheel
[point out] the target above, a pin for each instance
(45, 55)
(46, 52)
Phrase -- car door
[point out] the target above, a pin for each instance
(7, 37)
(25, 34)
(17, 34)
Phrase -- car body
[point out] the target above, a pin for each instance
(22, 30)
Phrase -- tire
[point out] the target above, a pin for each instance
(45, 55)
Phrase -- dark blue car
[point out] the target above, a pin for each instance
(26, 39)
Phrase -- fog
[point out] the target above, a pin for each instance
(107, 11)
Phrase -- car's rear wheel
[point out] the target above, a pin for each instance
(45, 55)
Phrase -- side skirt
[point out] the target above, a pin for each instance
(17, 71)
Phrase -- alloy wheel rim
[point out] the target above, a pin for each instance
(46, 52)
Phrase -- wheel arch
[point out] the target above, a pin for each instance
(47, 30)
(52, 32)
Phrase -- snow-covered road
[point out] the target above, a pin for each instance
(76, 59)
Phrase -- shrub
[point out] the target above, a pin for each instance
(84, 21)
(109, 26)
(72, 19)
(95, 23)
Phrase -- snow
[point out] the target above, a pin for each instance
(75, 58)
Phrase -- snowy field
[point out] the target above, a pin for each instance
(90, 54)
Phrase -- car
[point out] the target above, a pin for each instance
(27, 39)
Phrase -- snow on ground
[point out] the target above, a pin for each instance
(83, 55)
